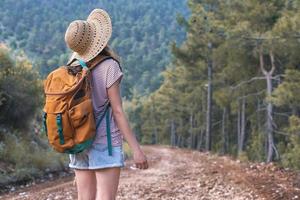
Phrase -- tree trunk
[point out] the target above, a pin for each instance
(201, 132)
(178, 142)
(200, 140)
(191, 142)
(224, 132)
(209, 101)
(269, 115)
(243, 124)
(258, 115)
(239, 126)
(154, 134)
(270, 120)
(173, 133)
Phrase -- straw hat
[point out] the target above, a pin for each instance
(88, 38)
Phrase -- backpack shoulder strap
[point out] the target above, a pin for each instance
(98, 60)
(75, 65)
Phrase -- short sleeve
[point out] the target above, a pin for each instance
(113, 74)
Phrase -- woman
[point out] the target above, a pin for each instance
(97, 173)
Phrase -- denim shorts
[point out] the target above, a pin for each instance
(96, 157)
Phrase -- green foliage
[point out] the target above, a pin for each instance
(26, 158)
(255, 150)
(243, 156)
(287, 93)
(22, 152)
(133, 109)
(20, 90)
(233, 35)
(142, 31)
(291, 156)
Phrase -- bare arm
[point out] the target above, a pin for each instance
(122, 122)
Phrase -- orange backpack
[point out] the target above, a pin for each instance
(69, 120)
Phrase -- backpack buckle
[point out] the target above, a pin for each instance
(83, 65)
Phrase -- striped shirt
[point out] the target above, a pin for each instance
(104, 75)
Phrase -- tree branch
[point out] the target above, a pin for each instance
(261, 62)
(272, 62)
(276, 152)
(281, 133)
(281, 114)
(251, 94)
(245, 82)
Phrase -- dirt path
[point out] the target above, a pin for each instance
(185, 174)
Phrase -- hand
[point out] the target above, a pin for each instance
(140, 159)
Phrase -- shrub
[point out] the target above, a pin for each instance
(291, 156)
(255, 149)
(27, 158)
(20, 90)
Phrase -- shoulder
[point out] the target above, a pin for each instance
(106, 68)
(109, 62)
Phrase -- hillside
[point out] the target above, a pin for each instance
(183, 174)
(142, 32)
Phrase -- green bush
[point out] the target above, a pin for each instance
(243, 156)
(20, 90)
(291, 156)
(255, 149)
(26, 158)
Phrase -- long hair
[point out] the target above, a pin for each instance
(107, 51)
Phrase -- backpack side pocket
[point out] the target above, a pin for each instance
(59, 129)
(83, 121)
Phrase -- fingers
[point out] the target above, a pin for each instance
(143, 165)
(140, 160)
(138, 165)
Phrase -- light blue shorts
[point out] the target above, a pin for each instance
(96, 157)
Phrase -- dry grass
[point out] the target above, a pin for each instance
(26, 159)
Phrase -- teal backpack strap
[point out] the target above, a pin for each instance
(83, 64)
(60, 129)
(108, 134)
(45, 123)
(102, 117)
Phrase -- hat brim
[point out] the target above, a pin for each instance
(101, 33)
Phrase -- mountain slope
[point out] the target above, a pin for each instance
(142, 31)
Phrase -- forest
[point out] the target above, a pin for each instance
(233, 85)
(142, 32)
(32, 44)
(218, 76)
